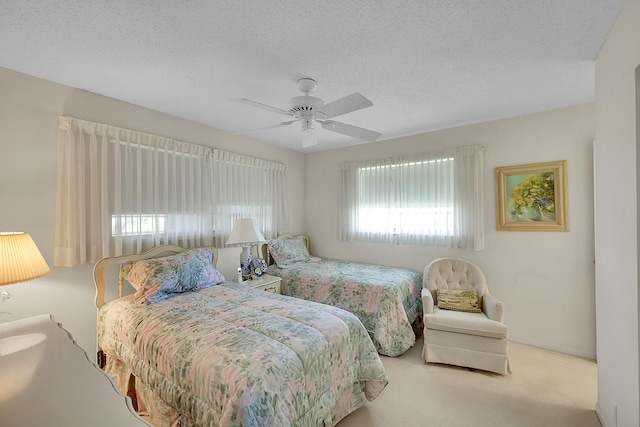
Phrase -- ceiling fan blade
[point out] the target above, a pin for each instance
(349, 130)
(309, 137)
(266, 127)
(349, 103)
(261, 105)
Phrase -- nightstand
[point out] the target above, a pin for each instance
(266, 283)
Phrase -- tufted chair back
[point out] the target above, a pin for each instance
(454, 336)
(454, 273)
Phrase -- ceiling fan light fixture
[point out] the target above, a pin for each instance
(309, 136)
(307, 123)
(308, 133)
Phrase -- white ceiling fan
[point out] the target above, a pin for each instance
(310, 110)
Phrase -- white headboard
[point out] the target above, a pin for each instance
(159, 251)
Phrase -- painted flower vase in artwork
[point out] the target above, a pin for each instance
(533, 213)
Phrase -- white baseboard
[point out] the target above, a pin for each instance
(554, 347)
(602, 418)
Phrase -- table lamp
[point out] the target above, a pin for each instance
(20, 260)
(245, 234)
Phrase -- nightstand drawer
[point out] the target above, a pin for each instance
(266, 283)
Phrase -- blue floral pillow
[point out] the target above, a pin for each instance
(287, 252)
(159, 278)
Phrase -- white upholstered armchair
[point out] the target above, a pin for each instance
(469, 333)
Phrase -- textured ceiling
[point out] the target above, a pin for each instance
(425, 64)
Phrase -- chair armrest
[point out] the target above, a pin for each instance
(427, 301)
(493, 307)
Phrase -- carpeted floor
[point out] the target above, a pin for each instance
(546, 389)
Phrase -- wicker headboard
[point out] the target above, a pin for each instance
(159, 251)
(263, 248)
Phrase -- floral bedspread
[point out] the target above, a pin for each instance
(387, 300)
(231, 355)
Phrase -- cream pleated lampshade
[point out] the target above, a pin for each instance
(244, 233)
(20, 259)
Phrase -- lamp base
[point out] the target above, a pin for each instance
(245, 262)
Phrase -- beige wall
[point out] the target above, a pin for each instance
(534, 273)
(546, 280)
(29, 111)
(616, 169)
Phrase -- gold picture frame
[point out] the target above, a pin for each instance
(532, 197)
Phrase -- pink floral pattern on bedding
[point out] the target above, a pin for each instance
(230, 355)
(387, 300)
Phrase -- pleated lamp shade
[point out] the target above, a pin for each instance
(20, 259)
(244, 232)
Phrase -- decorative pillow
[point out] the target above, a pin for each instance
(458, 300)
(287, 252)
(133, 277)
(159, 278)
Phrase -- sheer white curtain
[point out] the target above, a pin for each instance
(246, 187)
(432, 199)
(122, 192)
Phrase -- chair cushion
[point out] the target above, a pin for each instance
(458, 299)
(464, 323)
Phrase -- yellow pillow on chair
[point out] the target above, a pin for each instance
(458, 300)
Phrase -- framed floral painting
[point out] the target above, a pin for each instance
(532, 197)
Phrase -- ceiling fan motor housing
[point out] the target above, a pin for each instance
(301, 106)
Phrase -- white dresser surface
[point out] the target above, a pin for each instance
(47, 380)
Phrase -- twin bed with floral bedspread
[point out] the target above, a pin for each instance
(386, 299)
(195, 350)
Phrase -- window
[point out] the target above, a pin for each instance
(430, 199)
(123, 192)
(377, 211)
(247, 187)
(137, 224)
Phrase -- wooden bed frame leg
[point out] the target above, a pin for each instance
(101, 358)
(131, 391)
